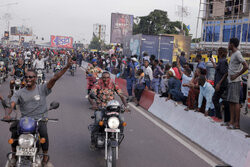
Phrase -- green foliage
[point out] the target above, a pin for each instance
(157, 22)
(196, 40)
(95, 43)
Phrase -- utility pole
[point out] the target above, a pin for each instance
(182, 14)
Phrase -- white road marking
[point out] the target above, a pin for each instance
(176, 137)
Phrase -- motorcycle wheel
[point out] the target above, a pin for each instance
(47, 69)
(111, 157)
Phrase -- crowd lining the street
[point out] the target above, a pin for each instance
(180, 82)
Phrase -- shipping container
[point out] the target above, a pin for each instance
(158, 45)
(165, 47)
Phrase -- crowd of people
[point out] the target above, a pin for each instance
(182, 83)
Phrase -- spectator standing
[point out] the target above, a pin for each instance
(207, 92)
(135, 63)
(146, 57)
(157, 73)
(200, 64)
(79, 58)
(161, 65)
(237, 67)
(130, 77)
(220, 80)
(164, 82)
(182, 59)
(148, 73)
(139, 86)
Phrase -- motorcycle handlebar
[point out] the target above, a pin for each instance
(47, 120)
(9, 121)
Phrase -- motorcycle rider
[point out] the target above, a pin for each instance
(19, 70)
(39, 63)
(5, 59)
(27, 57)
(32, 101)
(104, 91)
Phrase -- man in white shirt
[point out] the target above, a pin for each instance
(148, 73)
(39, 63)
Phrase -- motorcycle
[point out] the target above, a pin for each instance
(47, 66)
(40, 76)
(28, 63)
(58, 67)
(18, 83)
(73, 69)
(109, 131)
(29, 142)
(3, 75)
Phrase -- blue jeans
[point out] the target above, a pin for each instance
(148, 83)
(156, 84)
(130, 83)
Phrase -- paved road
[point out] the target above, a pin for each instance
(145, 144)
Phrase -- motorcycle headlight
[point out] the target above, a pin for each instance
(113, 122)
(18, 82)
(26, 140)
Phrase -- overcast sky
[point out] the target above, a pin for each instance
(76, 17)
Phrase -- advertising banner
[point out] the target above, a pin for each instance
(21, 31)
(61, 41)
(121, 26)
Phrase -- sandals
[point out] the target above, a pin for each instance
(224, 124)
(232, 127)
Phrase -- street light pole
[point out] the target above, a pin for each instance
(182, 15)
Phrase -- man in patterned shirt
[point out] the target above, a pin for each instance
(104, 92)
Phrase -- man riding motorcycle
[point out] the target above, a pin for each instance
(39, 63)
(32, 101)
(104, 91)
(5, 59)
(18, 71)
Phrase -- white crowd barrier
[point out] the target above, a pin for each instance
(231, 146)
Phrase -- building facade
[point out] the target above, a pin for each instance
(224, 19)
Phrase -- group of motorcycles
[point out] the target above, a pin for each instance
(108, 132)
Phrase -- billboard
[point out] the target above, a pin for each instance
(61, 41)
(21, 31)
(121, 26)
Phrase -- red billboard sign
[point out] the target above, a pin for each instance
(61, 41)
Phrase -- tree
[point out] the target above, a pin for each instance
(95, 43)
(196, 40)
(157, 22)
